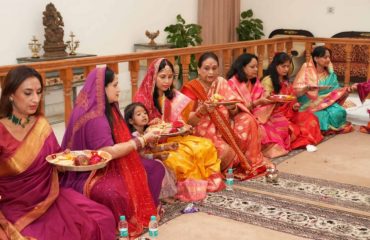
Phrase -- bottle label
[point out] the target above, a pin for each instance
(123, 232)
(153, 232)
(229, 181)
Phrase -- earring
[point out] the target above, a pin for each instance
(11, 99)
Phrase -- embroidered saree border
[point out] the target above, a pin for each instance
(25, 155)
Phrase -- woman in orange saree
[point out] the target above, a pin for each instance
(195, 162)
(274, 126)
(232, 129)
(32, 205)
(318, 89)
(304, 128)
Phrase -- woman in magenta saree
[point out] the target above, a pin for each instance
(304, 127)
(274, 126)
(195, 162)
(129, 185)
(32, 205)
(232, 129)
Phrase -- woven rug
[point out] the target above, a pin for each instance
(299, 205)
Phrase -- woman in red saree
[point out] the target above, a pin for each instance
(274, 126)
(129, 185)
(32, 205)
(304, 127)
(363, 90)
(195, 162)
(232, 129)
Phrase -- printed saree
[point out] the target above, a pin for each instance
(236, 138)
(32, 206)
(304, 127)
(195, 162)
(274, 126)
(128, 184)
(324, 103)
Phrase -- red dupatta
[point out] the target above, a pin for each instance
(222, 124)
(141, 204)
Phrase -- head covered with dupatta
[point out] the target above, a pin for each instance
(147, 91)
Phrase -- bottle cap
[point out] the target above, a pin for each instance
(122, 218)
(153, 218)
(230, 170)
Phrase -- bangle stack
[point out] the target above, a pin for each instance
(139, 142)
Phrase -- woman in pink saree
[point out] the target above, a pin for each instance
(129, 185)
(274, 126)
(195, 162)
(232, 129)
(32, 205)
(304, 127)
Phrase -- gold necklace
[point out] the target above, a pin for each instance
(18, 121)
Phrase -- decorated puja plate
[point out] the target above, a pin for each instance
(225, 103)
(282, 98)
(79, 161)
(217, 100)
(169, 129)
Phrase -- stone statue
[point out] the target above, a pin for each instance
(54, 45)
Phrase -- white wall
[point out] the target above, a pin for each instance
(103, 27)
(311, 15)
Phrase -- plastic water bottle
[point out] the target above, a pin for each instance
(123, 228)
(153, 228)
(229, 179)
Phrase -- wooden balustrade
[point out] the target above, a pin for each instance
(264, 49)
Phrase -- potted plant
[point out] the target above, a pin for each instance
(183, 35)
(249, 28)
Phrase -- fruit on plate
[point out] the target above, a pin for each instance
(81, 160)
(216, 98)
(177, 124)
(94, 159)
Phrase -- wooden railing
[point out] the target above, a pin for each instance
(264, 49)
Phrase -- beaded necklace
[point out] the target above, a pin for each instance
(18, 121)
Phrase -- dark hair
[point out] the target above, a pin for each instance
(279, 58)
(237, 68)
(319, 52)
(108, 78)
(13, 80)
(129, 114)
(169, 93)
(205, 56)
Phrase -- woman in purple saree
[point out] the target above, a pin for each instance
(96, 123)
(32, 206)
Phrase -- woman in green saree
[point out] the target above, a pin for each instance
(318, 89)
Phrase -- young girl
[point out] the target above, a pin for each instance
(137, 119)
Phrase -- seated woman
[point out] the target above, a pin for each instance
(32, 206)
(363, 90)
(232, 128)
(304, 127)
(195, 162)
(96, 123)
(318, 89)
(274, 126)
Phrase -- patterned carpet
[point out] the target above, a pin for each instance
(298, 205)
